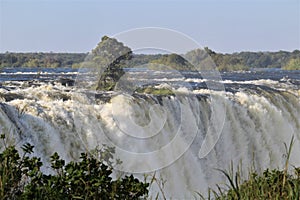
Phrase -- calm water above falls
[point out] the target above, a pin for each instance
(7, 74)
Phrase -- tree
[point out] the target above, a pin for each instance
(32, 63)
(293, 64)
(110, 57)
(174, 61)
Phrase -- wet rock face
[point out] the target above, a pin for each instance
(66, 82)
(10, 96)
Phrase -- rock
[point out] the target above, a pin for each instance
(66, 82)
(10, 96)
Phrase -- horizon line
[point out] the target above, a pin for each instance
(234, 52)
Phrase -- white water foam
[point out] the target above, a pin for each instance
(256, 126)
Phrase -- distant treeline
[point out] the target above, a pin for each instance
(278, 59)
(47, 60)
(224, 62)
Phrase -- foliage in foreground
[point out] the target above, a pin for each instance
(271, 184)
(90, 178)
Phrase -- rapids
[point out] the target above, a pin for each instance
(183, 137)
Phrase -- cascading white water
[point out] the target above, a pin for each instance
(174, 129)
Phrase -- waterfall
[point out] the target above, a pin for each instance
(183, 137)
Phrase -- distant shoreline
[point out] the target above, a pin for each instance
(242, 61)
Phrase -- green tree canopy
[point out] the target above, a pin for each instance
(109, 58)
(174, 61)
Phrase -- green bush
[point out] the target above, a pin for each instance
(90, 178)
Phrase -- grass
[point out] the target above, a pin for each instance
(271, 184)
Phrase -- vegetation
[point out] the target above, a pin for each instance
(155, 91)
(139, 60)
(293, 64)
(111, 54)
(45, 60)
(271, 184)
(242, 60)
(254, 59)
(109, 58)
(172, 61)
(90, 178)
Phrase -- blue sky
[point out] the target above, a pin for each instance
(77, 25)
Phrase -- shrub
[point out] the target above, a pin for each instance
(90, 178)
